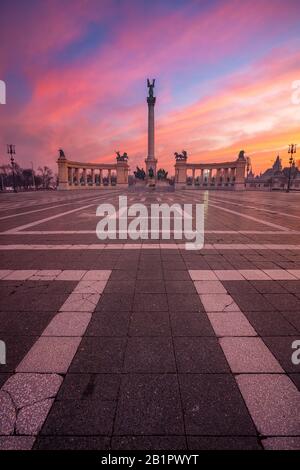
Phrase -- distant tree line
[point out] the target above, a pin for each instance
(26, 178)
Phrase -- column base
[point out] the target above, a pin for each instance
(63, 186)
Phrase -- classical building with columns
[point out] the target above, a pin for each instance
(225, 175)
(76, 175)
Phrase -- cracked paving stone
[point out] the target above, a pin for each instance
(31, 418)
(27, 389)
(90, 287)
(80, 303)
(219, 303)
(7, 415)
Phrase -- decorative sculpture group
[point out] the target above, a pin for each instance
(181, 157)
(121, 158)
(162, 174)
(139, 173)
(242, 155)
(151, 173)
(150, 86)
(61, 153)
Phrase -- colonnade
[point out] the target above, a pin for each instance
(211, 177)
(76, 175)
(226, 175)
(91, 176)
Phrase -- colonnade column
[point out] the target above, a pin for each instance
(72, 176)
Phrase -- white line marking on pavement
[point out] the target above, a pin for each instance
(71, 201)
(270, 211)
(255, 219)
(45, 209)
(92, 199)
(47, 219)
(270, 395)
(28, 395)
(138, 246)
(82, 232)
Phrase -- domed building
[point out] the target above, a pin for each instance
(274, 179)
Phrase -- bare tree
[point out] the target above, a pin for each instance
(46, 175)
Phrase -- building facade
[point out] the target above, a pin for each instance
(76, 175)
(275, 178)
(225, 175)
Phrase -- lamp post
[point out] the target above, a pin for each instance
(292, 150)
(12, 151)
(33, 177)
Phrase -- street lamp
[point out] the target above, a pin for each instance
(12, 151)
(292, 150)
(33, 177)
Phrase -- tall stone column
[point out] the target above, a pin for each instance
(150, 161)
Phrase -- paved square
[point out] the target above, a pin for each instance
(142, 344)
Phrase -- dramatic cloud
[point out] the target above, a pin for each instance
(76, 78)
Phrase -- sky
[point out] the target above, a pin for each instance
(76, 71)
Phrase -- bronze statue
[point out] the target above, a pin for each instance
(121, 158)
(162, 174)
(139, 173)
(150, 86)
(181, 157)
(61, 153)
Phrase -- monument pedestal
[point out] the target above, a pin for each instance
(151, 182)
(62, 173)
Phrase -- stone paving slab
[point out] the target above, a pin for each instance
(213, 406)
(249, 355)
(273, 402)
(158, 347)
(50, 354)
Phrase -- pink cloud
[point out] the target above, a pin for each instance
(96, 104)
